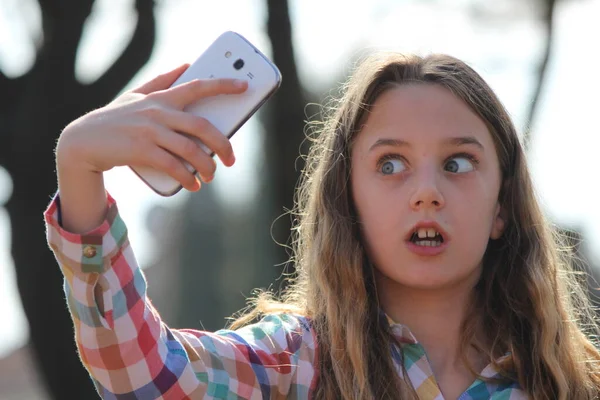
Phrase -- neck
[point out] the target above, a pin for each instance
(434, 317)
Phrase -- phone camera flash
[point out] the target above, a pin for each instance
(228, 54)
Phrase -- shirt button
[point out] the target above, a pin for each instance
(89, 251)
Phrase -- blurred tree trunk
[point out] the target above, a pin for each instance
(547, 10)
(34, 108)
(222, 254)
(202, 299)
(284, 123)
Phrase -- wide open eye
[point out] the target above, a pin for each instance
(460, 164)
(391, 164)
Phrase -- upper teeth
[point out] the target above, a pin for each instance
(427, 232)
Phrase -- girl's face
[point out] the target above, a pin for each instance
(424, 159)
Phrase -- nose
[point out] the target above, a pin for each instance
(427, 193)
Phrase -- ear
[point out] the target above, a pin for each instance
(499, 223)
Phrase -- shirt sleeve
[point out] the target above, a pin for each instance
(129, 351)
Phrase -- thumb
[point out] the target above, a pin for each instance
(162, 81)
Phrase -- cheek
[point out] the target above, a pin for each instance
(380, 239)
(375, 204)
(380, 218)
(473, 224)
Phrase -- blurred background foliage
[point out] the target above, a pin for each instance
(209, 253)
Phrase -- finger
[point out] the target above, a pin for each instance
(202, 129)
(188, 150)
(162, 81)
(163, 161)
(190, 92)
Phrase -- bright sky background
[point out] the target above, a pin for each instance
(327, 34)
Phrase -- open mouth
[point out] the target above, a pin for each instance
(426, 237)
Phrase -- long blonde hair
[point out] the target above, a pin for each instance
(532, 302)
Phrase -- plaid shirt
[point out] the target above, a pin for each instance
(131, 354)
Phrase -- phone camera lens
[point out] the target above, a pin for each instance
(239, 64)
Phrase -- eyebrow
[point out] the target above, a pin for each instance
(455, 141)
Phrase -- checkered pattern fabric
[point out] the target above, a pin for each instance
(131, 354)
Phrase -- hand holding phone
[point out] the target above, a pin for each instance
(229, 56)
(140, 127)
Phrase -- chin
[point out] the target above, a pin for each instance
(433, 279)
(427, 283)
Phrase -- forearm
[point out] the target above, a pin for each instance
(82, 195)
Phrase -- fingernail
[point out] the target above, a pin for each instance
(239, 83)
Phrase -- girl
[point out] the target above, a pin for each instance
(426, 269)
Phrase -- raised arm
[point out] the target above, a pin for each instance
(129, 352)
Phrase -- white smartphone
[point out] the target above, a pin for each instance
(229, 56)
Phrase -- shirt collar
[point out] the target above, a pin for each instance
(405, 336)
(400, 331)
